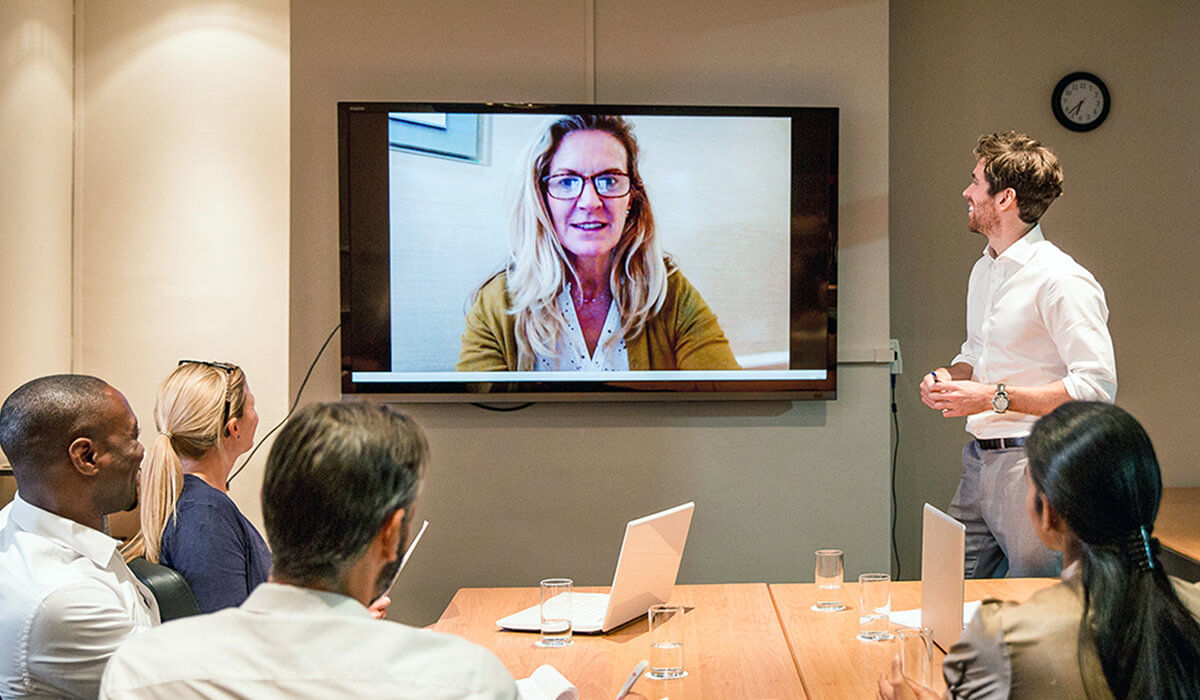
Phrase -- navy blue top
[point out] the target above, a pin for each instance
(216, 549)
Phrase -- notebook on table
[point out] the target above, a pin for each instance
(646, 569)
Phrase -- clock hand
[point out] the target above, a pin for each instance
(1074, 111)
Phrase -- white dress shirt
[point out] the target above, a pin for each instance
(1035, 316)
(290, 642)
(67, 601)
(572, 350)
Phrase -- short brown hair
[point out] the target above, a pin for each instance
(1032, 171)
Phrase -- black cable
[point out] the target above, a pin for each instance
(503, 409)
(895, 453)
(290, 411)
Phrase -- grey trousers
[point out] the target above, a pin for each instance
(990, 501)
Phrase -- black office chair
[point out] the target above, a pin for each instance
(175, 599)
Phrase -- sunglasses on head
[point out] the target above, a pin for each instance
(228, 369)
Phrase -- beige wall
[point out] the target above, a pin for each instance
(513, 497)
(181, 249)
(960, 69)
(36, 65)
(181, 197)
(181, 205)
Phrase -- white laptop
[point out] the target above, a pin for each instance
(645, 576)
(943, 540)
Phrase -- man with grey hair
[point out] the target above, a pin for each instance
(67, 599)
(338, 496)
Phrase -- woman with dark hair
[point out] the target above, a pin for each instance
(1117, 625)
(586, 285)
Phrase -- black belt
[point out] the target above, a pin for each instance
(1001, 443)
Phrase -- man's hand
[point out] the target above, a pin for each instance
(937, 376)
(895, 686)
(955, 398)
(379, 607)
(960, 398)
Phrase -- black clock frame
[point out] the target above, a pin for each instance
(1056, 101)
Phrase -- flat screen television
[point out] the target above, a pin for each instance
(506, 252)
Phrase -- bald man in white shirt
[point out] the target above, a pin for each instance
(67, 600)
(1037, 337)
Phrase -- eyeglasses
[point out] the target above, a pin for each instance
(570, 186)
(228, 369)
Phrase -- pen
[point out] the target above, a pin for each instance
(934, 375)
(633, 676)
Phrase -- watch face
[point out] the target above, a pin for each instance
(1080, 101)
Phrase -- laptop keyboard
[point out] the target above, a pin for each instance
(589, 607)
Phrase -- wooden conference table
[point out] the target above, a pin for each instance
(741, 640)
(831, 660)
(1178, 528)
(733, 644)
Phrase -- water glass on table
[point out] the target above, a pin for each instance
(914, 646)
(555, 612)
(666, 642)
(875, 605)
(828, 575)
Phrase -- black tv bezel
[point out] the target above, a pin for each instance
(352, 259)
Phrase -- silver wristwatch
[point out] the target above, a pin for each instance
(1000, 399)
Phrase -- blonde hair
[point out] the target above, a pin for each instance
(188, 413)
(538, 268)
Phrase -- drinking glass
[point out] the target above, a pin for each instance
(556, 612)
(829, 573)
(914, 646)
(875, 603)
(666, 642)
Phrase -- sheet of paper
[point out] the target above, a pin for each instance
(404, 559)
(912, 618)
(546, 683)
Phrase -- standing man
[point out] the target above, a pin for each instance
(67, 600)
(338, 496)
(1037, 337)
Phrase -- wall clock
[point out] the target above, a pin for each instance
(1080, 101)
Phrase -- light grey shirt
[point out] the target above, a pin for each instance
(291, 642)
(67, 601)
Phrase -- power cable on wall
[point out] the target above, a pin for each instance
(290, 411)
(895, 453)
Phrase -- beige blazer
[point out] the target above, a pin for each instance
(1031, 649)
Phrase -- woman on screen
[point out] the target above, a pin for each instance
(586, 286)
(206, 419)
(1117, 625)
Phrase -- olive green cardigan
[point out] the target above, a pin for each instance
(684, 334)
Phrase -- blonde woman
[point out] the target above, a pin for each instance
(586, 286)
(206, 419)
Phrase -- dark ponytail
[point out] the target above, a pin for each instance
(1097, 468)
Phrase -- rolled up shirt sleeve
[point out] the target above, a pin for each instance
(1076, 317)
